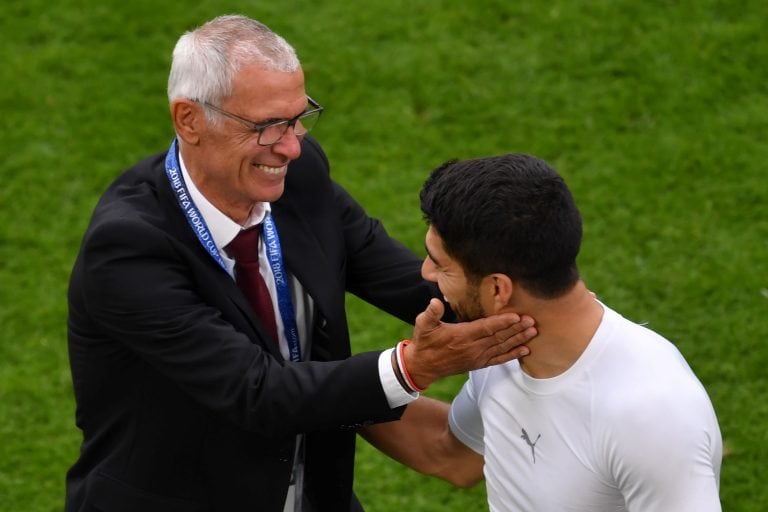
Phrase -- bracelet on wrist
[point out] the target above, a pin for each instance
(403, 369)
(398, 372)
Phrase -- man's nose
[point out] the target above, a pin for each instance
(428, 270)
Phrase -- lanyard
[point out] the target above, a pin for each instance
(196, 221)
(275, 256)
(271, 239)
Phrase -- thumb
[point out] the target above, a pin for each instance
(430, 318)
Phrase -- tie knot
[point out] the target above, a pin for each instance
(245, 246)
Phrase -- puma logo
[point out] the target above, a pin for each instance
(531, 444)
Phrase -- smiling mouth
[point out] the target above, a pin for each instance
(271, 170)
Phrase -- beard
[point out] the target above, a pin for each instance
(468, 308)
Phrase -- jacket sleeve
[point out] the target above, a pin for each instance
(376, 267)
(381, 270)
(136, 299)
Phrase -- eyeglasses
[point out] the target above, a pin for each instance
(272, 131)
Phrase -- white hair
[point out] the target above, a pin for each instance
(206, 60)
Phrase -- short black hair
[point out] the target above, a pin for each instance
(511, 214)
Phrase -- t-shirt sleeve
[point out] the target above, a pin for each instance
(669, 460)
(464, 418)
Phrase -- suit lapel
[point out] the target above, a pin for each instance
(180, 226)
(304, 256)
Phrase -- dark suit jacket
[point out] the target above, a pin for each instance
(183, 402)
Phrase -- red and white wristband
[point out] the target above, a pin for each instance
(401, 372)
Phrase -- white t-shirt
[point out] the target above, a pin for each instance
(628, 427)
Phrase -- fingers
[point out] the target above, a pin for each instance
(436, 309)
(501, 322)
(509, 330)
(515, 353)
(439, 349)
(513, 347)
(430, 318)
(506, 341)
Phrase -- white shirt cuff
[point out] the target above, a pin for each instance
(396, 395)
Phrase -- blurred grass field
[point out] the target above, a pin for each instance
(656, 113)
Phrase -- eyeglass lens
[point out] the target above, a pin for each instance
(274, 132)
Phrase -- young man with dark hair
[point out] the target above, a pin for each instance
(602, 415)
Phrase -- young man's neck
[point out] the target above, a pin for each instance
(565, 324)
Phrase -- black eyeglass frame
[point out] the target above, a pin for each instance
(314, 108)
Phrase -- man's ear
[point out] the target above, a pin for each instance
(501, 289)
(188, 120)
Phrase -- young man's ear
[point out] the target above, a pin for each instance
(188, 120)
(500, 288)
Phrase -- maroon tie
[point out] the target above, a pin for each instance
(245, 250)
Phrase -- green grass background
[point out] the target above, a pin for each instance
(656, 113)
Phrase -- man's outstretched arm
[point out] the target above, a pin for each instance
(422, 440)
